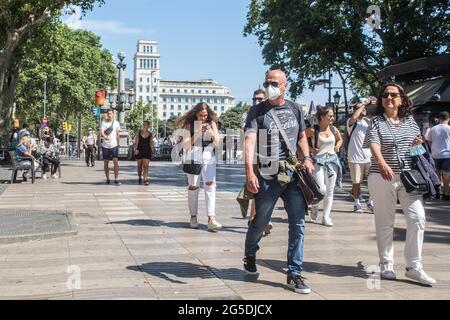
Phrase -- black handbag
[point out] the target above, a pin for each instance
(309, 187)
(192, 168)
(412, 179)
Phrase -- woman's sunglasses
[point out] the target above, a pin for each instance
(392, 94)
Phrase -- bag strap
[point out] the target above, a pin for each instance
(400, 162)
(292, 151)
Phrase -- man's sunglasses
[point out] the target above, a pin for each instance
(266, 84)
(392, 94)
(258, 99)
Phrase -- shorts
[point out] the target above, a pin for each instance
(109, 154)
(359, 171)
(442, 164)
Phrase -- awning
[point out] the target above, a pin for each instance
(421, 93)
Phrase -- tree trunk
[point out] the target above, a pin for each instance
(7, 98)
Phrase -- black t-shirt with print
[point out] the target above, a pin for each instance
(274, 147)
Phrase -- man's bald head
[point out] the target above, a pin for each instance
(276, 74)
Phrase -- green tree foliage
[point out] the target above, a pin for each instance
(73, 65)
(20, 20)
(133, 118)
(232, 118)
(306, 37)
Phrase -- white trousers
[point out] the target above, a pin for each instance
(326, 185)
(384, 196)
(208, 174)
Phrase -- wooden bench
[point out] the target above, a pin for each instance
(16, 166)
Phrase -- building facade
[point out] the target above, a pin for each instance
(173, 98)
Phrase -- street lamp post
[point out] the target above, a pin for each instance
(337, 100)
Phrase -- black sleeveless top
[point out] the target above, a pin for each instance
(145, 152)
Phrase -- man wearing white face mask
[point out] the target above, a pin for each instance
(267, 126)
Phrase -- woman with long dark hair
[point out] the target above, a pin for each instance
(143, 149)
(326, 142)
(391, 135)
(200, 138)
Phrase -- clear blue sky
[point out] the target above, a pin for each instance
(198, 39)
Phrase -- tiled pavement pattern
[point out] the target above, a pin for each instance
(134, 242)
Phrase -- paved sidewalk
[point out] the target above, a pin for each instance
(134, 242)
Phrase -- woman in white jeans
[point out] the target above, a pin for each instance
(390, 136)
(200, 138)
(326, 143)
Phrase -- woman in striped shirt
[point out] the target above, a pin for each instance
(394, 129)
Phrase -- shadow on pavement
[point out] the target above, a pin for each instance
(331, 270)
(176, 225)
(189, 270)
(430, 236)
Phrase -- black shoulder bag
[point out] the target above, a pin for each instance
(191, 167)
(412, 179)
(110, 129)
(306, 183)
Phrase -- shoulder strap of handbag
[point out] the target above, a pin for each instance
(283, 132)
(401, 163)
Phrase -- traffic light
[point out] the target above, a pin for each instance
(69, 127)
(65, 127)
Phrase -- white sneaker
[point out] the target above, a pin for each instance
(327, 222)
(314, 213)
(387, 272)
(213, 225)
(44, 176)
(420, 276)
(194, 222)
(55, 176)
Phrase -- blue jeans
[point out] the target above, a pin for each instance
(265, 200)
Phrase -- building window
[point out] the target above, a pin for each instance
(194, 100)
(179, 107)
(155, 89)
(170, 90)
(165, 106)
(222, 100)
(214, 91)
(192, 91)
(163, 90)
(179, 114)
(178, 90)
(208, 100)
(171, 114)
(199, 91)
(172, 99)
(148, 89)
(216, 100)
(140, 79)
(186, 108)
(141, 98)
(164, 114)
(172, 107)
(206, 91)
(140, 89)
(164, 99)
(215, 108)
(154, 98)
(148, 99)
(185, 90)
(222, 108)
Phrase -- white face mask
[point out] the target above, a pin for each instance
(273, 93)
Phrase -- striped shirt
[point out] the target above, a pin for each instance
(405, 133)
